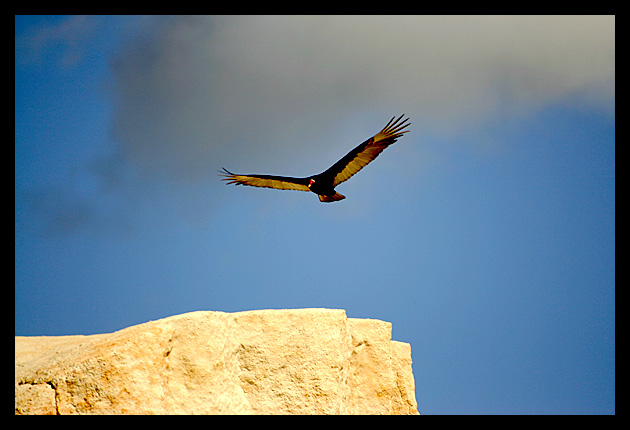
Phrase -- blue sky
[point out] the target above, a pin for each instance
(486, 234)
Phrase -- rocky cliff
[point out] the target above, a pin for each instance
(302, 361)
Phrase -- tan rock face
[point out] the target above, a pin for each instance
(301, 361)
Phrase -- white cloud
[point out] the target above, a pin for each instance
(200, 88)
(65, 40)
(288, 95)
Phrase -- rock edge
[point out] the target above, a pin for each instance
(290, 361)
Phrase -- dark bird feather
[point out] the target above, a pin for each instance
(324, 184)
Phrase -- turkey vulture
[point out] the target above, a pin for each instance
(324, 184)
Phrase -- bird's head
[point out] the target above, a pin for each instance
(311, 182)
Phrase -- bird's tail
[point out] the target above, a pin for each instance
(333, 198)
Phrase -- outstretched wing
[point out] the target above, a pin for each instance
(266, 181)
(363, 154)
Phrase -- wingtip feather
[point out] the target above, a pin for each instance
(228, 176)
(394, 128)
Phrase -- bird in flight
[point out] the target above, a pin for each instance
(324, 184)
